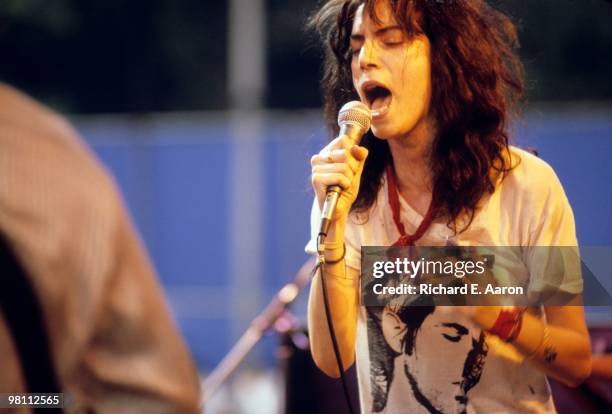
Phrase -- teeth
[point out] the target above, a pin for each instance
(379, 111)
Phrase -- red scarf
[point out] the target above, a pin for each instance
(406, 239)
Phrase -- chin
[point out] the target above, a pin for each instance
(386, 133)
(386, 129)
(446, 406)
(382, 130)
(379, 134)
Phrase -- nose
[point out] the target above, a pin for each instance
(368, 57)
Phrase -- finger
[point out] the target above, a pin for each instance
(361, 163)
(352, 161)
(346, 142)
(346, 155)
(326, 157)
(339, 168)
(327, 179)
(342, 141)
(352, 156)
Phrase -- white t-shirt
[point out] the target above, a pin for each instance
(450, 365)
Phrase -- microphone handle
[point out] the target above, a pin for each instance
(329, 205)
(354, 132)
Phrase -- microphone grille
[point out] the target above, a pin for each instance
(357, 113)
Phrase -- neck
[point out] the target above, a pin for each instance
(411, 159)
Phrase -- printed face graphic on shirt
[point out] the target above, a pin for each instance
(422, 357)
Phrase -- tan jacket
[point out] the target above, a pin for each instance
(114, 345)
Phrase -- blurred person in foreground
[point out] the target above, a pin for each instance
(440, 78)
(112, 345)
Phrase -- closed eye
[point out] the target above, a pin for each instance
(392, 36)
(393, 40)
(356, 43)
(457, 332)
(452, 338)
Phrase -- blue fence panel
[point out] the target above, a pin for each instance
(174, 172)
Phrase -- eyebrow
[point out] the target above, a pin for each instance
(379, 32)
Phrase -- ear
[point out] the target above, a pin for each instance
(393, 329)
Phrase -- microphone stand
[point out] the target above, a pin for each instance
(275, 316)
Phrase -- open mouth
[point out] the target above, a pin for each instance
(378, 98)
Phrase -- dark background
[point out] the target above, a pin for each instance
(159, 55)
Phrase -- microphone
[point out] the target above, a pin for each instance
(354, 120)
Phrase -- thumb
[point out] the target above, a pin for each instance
(360, 153)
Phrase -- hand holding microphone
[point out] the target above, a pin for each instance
(336, 170)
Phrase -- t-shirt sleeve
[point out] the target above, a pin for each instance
(315, 218)
(552, 255)
(353, 247)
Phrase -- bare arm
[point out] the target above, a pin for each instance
(343, 290)
(602, 367)
(565, 355)
(339, 163)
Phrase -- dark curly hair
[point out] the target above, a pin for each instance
(476, 79)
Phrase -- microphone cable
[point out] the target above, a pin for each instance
(354, 120)
(330, 325)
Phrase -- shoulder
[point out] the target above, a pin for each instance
(45, 143)
(42, 152)
(20, 111)
(532, 198)
(531, 177)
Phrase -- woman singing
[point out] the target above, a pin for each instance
(440, 78)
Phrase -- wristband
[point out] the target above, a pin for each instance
(508, 323)
(514, 333)
(544, 343)
(340, 258)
